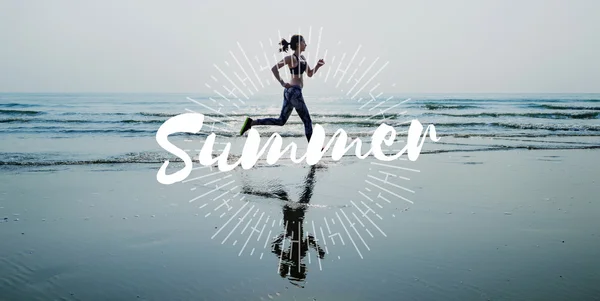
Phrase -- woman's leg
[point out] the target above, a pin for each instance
(297, 100)
(286, 111)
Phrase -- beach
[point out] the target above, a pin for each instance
(500, 225)
(503, 211)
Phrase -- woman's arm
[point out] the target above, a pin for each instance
(275, 70)
(311, 72)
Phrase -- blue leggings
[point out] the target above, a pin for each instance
(292, 99)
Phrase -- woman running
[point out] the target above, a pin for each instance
(292, 94)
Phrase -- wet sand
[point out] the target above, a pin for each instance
(495, 225)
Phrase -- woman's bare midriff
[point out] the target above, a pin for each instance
(296, 81)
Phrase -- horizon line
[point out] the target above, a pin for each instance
(318, 93)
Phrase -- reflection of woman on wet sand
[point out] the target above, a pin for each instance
(291, 259)
(291, 255)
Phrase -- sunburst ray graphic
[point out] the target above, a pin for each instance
(242, 222)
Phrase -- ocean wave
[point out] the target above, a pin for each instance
(41, 160)
(431, 106)
(142, 121)
(509, 147)
(263, 115)
(29, 120)
(505, 98)
(464, 100)
(63, 130)
(17, 105)
(362, 123)
(159, 114)
(520, 135)
(561, 107)
(457, 99)
(555, 115)
(20, 112)
(296, 130)
(14, 120)
(522, 126)
(104, 131)
(29, 159)
(94, 114)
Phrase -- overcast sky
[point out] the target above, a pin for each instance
(173, 46)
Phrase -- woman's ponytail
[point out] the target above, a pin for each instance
(284, 45)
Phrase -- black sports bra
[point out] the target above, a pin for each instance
(300, 68)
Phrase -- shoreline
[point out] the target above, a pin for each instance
(13, 166)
